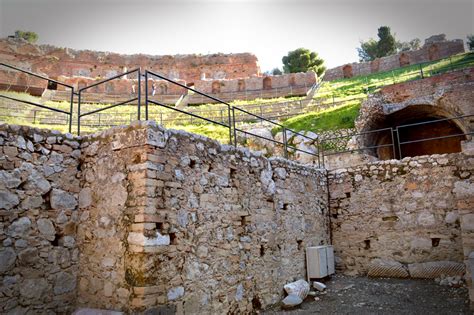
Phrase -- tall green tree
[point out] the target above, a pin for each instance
(31, 37)
(385, 45)
(470, 41)
(302, 60)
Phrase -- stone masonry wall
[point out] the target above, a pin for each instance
(139, 218)
(38, 217)
(406, 211)
(429, 52)
(198, 227)
(55, 61)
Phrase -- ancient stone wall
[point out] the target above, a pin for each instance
(406, 211)
(429, 52)
(142, 218)
(198, 225)
(56, 61)
(39, 254)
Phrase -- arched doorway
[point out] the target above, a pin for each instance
(415, 123)
(404, 60)
(267, 83)
(347, 71)
(216, 87)
(241, 85)
(433, 52)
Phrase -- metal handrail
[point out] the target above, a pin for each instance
(81, 90)
(147, 100)
(41, 105)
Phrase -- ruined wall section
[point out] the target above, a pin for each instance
(206, 226)
(406, 211)
(56, 61)
(39, 188)
(429, 52)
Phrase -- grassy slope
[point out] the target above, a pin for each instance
(351, 92)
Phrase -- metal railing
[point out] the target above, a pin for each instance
(150, 74)
(322, 147)
(333, 146)
(50, 83)
(401, 143)
(287, 147)
(133, 99)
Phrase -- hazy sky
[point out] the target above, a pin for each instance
(266, 28)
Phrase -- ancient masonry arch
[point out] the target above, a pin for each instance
(267, 83)
(415, 114)
(347, 71)
(404, 59)
(216, 87)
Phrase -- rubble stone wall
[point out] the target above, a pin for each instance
(204, 227)
(429, 52)
(55, 61)
(405, 211)
(139, 218)
(39, 254)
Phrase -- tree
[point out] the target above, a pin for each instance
(414, 44)
(470, 41)
(367, 50)
(276, 71)
(302, 60)
(31, 37)
(385, 46)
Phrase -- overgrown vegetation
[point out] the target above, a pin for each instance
(302, 60)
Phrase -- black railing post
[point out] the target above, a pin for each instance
(71, 109)
(421, 71)
(233, 125)
(399, 145)
(230, 124)
(393, 144)
(34, 116)
(146, 94)
(139, 91)
(285, 143)
(79, 113)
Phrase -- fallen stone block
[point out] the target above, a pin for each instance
(299, 288)
(387, 269)
(319, 286)
(292, 300)
(436, 269)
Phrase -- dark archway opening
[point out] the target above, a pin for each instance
(347, 71)
(216, 87)
(267, 83)
(417, 125)
(404, 60)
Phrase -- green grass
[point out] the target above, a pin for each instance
(357, 87)
(348, 94)
(212, 131)
(341, 117)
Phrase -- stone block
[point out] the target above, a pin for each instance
(434, 269)
(387, 269)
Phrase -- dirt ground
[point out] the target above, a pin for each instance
(361, 295)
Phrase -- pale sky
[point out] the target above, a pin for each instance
(269, 29)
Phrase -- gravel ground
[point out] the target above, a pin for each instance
(361, 295)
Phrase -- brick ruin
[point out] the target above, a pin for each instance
(228, 76)
(141, 218)
(435, 47)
